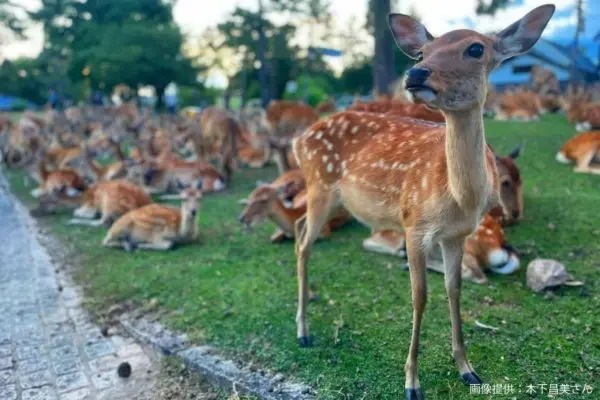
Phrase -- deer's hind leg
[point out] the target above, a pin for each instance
(585, 164)
(320, 204)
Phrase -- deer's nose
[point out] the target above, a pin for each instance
(417, 76)
(516, 214)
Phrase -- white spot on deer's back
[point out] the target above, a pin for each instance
(354, 130)
(319, 135)
(330, 167)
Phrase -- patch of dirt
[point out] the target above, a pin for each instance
(177, 382)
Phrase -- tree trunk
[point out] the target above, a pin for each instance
(263, 72)
(383, 68)
(160, 91)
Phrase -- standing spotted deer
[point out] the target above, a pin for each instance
(432, 182)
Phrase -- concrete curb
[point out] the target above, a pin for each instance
(214, 368)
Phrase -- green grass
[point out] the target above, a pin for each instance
(238, 291)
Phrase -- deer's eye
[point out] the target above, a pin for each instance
(475, 50)
(506, 184)
(419, 56)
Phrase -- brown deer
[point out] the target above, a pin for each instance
(67, 181)
(401, 108)
(432, 182)
(286, 120)
(218, 131)
(265, 202)
(157, 227)
(115, 170)
(519, 105)
(582, 150)
(486, 249)
(581, 110)
(108, 199)
(510, 210)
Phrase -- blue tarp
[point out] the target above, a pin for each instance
(9, 102)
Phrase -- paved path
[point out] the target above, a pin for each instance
(49, 349)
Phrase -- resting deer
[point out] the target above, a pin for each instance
(109, 200)
(582, 150)
(432, 182)
(581, 110)
(486, 249)
(157, 227)
(62, 180)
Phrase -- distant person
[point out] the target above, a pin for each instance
(98, 98)
(170, 98)
(53, 99)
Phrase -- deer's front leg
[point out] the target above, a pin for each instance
(452, 252)
(418, 283)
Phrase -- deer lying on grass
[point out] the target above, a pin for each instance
(545, 84)
(582, 150)
(168, 173)
(486, 249)
(519, 105)
(434, 183)
(158, 227)
(510, 210)
(66, 181)
(108, 200)
(581, 110)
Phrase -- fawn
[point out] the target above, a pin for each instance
(265, 202)
(157, 227)
(584, 151)
(432, 182)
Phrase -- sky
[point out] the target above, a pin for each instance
(439, 16)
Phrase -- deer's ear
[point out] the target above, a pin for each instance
(520, 36)
(410, 34)
(514, 154)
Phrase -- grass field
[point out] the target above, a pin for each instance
(237, 291)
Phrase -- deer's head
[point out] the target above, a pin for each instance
(258, 205)
(452, 70)
(511, 194)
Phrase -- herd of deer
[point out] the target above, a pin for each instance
(419, 173)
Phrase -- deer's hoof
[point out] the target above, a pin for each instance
(305, 341)
(471, 378)
(414, 394)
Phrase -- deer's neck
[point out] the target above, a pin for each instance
(285, 218)
(465, 158)
(188, 228)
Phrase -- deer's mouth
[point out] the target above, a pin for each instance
(421, 93)
(416, 87)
